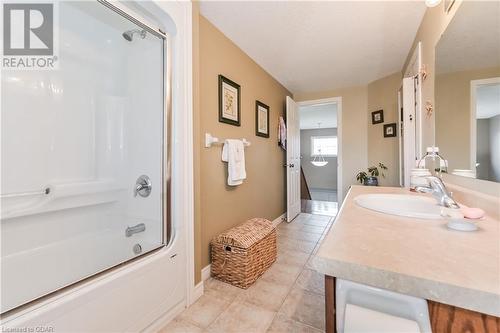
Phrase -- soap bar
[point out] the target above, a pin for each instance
(472, 213)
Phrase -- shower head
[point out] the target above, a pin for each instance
(129, 34)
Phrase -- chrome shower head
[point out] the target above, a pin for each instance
(129, 34)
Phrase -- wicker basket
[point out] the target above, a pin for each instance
(243, 253)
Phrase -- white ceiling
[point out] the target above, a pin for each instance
(471, 40)
(311, 115)
(488, 101)
(317, 45)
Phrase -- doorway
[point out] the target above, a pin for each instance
(320, 137)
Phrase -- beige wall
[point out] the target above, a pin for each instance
(383, 94)
(432, 26)
(218, 206)
(354, 129)
(453, 114)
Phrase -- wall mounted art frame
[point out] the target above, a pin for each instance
(229, 101)
(261, 119)
(378, 117)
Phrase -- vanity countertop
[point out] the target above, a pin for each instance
(414, 256)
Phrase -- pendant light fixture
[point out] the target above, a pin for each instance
(318, 159)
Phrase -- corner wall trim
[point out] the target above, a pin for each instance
(279, 219)
(197, 292)
(205, 273)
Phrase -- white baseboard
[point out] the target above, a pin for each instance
(205, 273)
(197, 292)
(279, 219)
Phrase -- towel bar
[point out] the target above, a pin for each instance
(210, 140)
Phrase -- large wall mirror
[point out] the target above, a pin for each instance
(467, 91)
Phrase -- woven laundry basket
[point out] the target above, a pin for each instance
(241, 254)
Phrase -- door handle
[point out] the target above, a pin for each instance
(291, 165)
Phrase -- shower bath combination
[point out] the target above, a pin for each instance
(83, 210)
(129, 34)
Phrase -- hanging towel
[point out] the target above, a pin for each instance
(282, 133)
(233, 153)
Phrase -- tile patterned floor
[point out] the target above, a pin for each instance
(289, 297)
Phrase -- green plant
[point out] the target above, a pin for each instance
(373, 171)
(361, 177)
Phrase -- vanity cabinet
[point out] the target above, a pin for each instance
(444, 318)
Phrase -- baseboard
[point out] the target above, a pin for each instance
(205, 273)
(279, 219)
(197, 292)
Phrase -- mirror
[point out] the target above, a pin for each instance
(467, 91)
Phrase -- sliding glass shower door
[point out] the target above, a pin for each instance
(82, 152)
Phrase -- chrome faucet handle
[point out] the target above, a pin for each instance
(439, 191)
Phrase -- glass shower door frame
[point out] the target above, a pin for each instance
(166, 116)
(167, 230)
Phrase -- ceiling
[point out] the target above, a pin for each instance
(488, 101)
(311, 115)
(319, 45)
(472, 34)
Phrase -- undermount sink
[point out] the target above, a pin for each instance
(401, 204)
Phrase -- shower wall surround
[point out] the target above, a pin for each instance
(74, 142)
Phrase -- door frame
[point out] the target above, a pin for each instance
(474, 84)
(338, 101)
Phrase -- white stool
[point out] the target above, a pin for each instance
(361, 308)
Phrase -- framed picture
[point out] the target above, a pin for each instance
(390, 130)
(261, 119)
(378, 117)
(229, 101)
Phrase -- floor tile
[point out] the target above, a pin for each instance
(312, 281)
(313, 229)
(180, 326)
(282, 274)
(322, 223)
(243, 317)
(222, 290)
(295, 245)
(266, 294)
(286, 298)
(282, 324)
(290, 257)
(204, 311)
(299, 235)
(305, 307)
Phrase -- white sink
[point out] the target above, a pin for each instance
(401, 205)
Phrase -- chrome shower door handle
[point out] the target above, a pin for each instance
(135, 229)
(143, 186)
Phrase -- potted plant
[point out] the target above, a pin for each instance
(369, 178)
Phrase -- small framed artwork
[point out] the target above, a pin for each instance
(390, 130)
(261, 119)
(378, 117)
(229, 101)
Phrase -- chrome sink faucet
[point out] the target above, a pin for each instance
(438, 190)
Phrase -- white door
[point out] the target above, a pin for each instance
(292, 160)
(408, 122)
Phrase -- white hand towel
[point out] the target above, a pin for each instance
(233, 153)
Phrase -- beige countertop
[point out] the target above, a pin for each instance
(414, 256)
